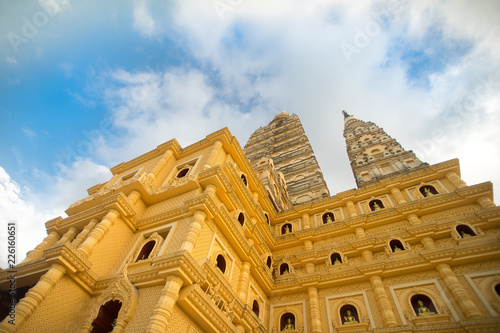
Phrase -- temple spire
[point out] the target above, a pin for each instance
(373, 153)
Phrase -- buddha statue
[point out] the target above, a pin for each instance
(376, 206)
(289, 326)
(396, 248)
(287, 229)
(349, 318)
(423, 310)
(329, 218)
(427, 192)
(337, 261)
(465, 234)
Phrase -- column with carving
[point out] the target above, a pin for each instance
(458, 291)
(351, 209)
(244, 280)
(27, 305)
(98, 233)
(194, 231)
(455, 180)
(213, 155)
(161, 163)
(383, 301)
(315, 311)
(396, 192)
(84, 233)
(68, 236)
(163, 310)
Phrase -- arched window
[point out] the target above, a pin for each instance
(244, 180)
(335, 258)
(428, 191)
(146, 251)
(465, 231)
(349, 314)
(255, 307)
(376, 205)
(396, 245)
(286, 228)
(328, 217)
(284, 269)
(241, 218)
(497, 289)
(269, 262)
(287, 322)
(182, 173)
(422, 305)
(105, 320)
(220, 262)
(267, 218)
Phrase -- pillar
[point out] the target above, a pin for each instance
(360, 232)
(458, 291)
(351, 209)
(47, 242)
(161, 163)
(306, 221)
(414, 219)
(398, 195)
(213, 155)
(310, 267)
(165, 305)
(84, 233)
(98, 233)
(308, 245)
(367, 255)
(244, 280)
(428, 243)
(455, 180)
(68, 236)
(194, 231)
(383, 301)
(485, 202)
(134, 196)
(315, 311)
(35, 296)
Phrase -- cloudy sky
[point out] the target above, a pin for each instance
(87, 85)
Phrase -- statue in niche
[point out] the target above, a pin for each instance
(337, 261)
(349, 318)
(376, 206)
(464, 234)
(397, 249)
(287, 229)
(423, 310)
(427, 192)
(329, 218)
(289, 326)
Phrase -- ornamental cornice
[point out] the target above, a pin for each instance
(68, 256)
(225, 290)
(180, 263)
(25, 269)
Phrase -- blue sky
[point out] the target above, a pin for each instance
(85, 86)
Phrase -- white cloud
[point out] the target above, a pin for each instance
(11, 60)
(143, 21)
(28, 132)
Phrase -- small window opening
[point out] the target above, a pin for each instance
(146, 251)
(255, 307)
(287, 322)
(349, 314)
(328, 218)
(465, 231)
(284, 269)
(269, 262)
(335, 259)
(267, 218)
(497, 289)
(106, 319)
(376, 205)
(422, 305)
(396, 245)
(244, 180)
(220, 262)
(183, 173)
(286, 229)
(428, 191)
(241, 218)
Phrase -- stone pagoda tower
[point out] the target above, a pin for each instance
(284, 143)
(373, 153)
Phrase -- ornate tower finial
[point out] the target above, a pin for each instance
(345, 114)
(373, 153)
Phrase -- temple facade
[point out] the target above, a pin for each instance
(216, 238)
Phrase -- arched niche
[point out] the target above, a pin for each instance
(422, 305)
(119, 292)
(284, 269)
(149, 248)
(256, 307)
(286, 228)
(328, 218)
(396, 245)
(349, 314)
(269, 262)
(220, 262)
(267, 218)
(241, 218)
(106, 319)
(183, 172)
(428, 191)
(336, 258)
(465, 231)
(376, 204)
(244, 179)
(288, 322)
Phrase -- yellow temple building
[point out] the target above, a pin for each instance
(216, 238)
